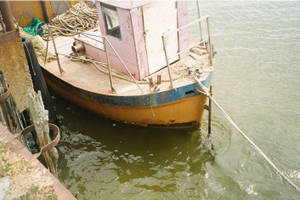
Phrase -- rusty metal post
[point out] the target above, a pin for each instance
(158, 79)
(108, 66)
(209, 111)
(167, 61)
(7, 15)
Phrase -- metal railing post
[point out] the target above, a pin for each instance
(90, 36)
(47, 47)
(167, 61)
(199, 22)
(108, 65)
(57, 56)
(125, 66)
(209, 43)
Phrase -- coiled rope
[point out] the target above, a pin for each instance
(80, 17)
(269, 161)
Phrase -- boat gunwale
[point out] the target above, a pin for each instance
(141, 100)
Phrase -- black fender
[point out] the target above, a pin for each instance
(38, 78)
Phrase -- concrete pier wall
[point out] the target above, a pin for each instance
(27, 176)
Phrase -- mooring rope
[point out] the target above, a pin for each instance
(80, 17)
(269, 161)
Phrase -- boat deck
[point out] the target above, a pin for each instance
(87, 76)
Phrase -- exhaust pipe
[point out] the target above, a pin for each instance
(78, 48)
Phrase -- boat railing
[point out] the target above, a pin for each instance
(203, 39)
(106, 44)
(204, 33)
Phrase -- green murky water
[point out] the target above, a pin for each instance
(256, 79)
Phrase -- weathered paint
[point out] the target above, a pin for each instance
(146, 100)
(183, 19)
(25, 11)
(132, 45)
(159, 17)
(14, 65)
(139, 39)
(99, 55)
(169, 108)
(16, 147)
(124, 46)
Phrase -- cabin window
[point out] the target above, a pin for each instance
(111, 21)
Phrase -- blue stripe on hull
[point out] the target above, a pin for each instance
(133, 101)
(153, 99)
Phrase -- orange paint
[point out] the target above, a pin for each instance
(183, 111)
(25, 11)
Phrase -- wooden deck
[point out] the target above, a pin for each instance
(87, 77)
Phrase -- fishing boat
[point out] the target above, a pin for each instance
(139, 66)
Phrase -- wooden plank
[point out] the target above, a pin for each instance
(39, 118)
(9, 113)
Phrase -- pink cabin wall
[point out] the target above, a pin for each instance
(100, 55)
(182, 19)
(125, 47)
(139, 39)
(132, 46)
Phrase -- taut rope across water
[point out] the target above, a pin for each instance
(269, 161)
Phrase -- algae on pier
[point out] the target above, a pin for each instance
(24, 181)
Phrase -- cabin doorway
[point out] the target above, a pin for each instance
(159, 17)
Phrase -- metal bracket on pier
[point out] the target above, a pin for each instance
(47, 147)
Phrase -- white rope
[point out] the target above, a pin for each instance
(247, 138)
(80, 17)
